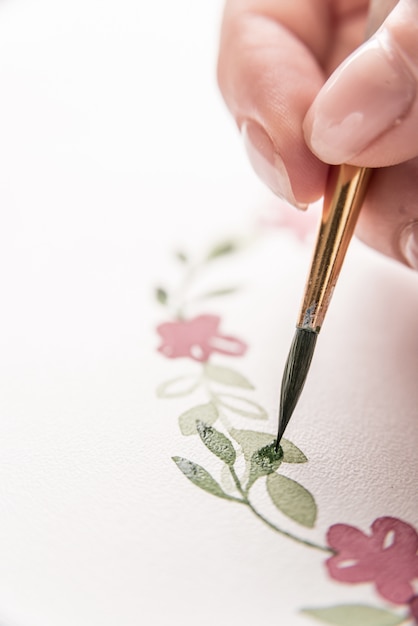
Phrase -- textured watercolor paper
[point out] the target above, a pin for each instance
(340, 488)
(149, 294)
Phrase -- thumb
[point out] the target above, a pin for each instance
(367, 112)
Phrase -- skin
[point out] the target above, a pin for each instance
(274, 58)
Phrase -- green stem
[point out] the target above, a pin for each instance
(285, 533)
(234, 499)
(238, 484)
(180, 293)
(215, 400)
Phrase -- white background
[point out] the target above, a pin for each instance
(115, 149)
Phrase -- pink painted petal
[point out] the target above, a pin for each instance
(176, 338)
(188, 338)
(405, 536)
(225, 344)
(166, 351)
(175, 347)
(348, 540)
(397, 566)
(395, 590)
(347, 570)
(205, 325)
(167, 329)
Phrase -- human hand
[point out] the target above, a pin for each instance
(274, 61)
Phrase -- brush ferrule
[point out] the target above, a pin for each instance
(344, 195)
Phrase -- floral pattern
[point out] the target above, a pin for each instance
(386, 558)
(197, 338)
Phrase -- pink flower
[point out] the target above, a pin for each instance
(388, 557)
(197, 339)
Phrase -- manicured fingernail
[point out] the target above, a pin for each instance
(267, 163)
(409, 244)
(367, 95)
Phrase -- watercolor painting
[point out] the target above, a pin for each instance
(384, 555)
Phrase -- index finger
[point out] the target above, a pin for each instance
(274, 58)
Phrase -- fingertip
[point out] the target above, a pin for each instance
(367, 112)
(268, 79)
(368, 95)
(267, 162)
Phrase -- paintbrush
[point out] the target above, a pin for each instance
(344, 195)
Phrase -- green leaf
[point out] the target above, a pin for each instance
(267, 460)
(251, 440)
(264, 462)
(217, 443)
(242, 406)
(227, 482)
(291, 453)
(292, 499)
(221, 249)
(181, 256)
(207, 413)
(355, 615)
(161, 295)
(216, 293)
(199, 477)
(177, 387)
(227, 376)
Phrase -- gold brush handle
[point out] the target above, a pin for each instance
(344, 195)
(345, 191)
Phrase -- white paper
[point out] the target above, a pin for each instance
(116, 154)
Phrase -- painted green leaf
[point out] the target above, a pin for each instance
(227, 482)
(264, 462)
(221, 249)
(267, 459)
(216, 293)
(216, 442)
(292, 499)
(161, 295)
(177, 387)
(242, 406)
(355, 615)
(181, 256)
(207, 413)
(199, 477)
(227, 376)
(251, 440)
(291, 453)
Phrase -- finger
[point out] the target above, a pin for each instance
(269, 76)
(367, 112)
(389, 218)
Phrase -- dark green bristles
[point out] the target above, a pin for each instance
(294, 376)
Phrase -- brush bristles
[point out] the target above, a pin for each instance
(294, 376)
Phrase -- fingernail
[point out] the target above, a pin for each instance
(267, 163)
(369, 94)
(409, 244)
